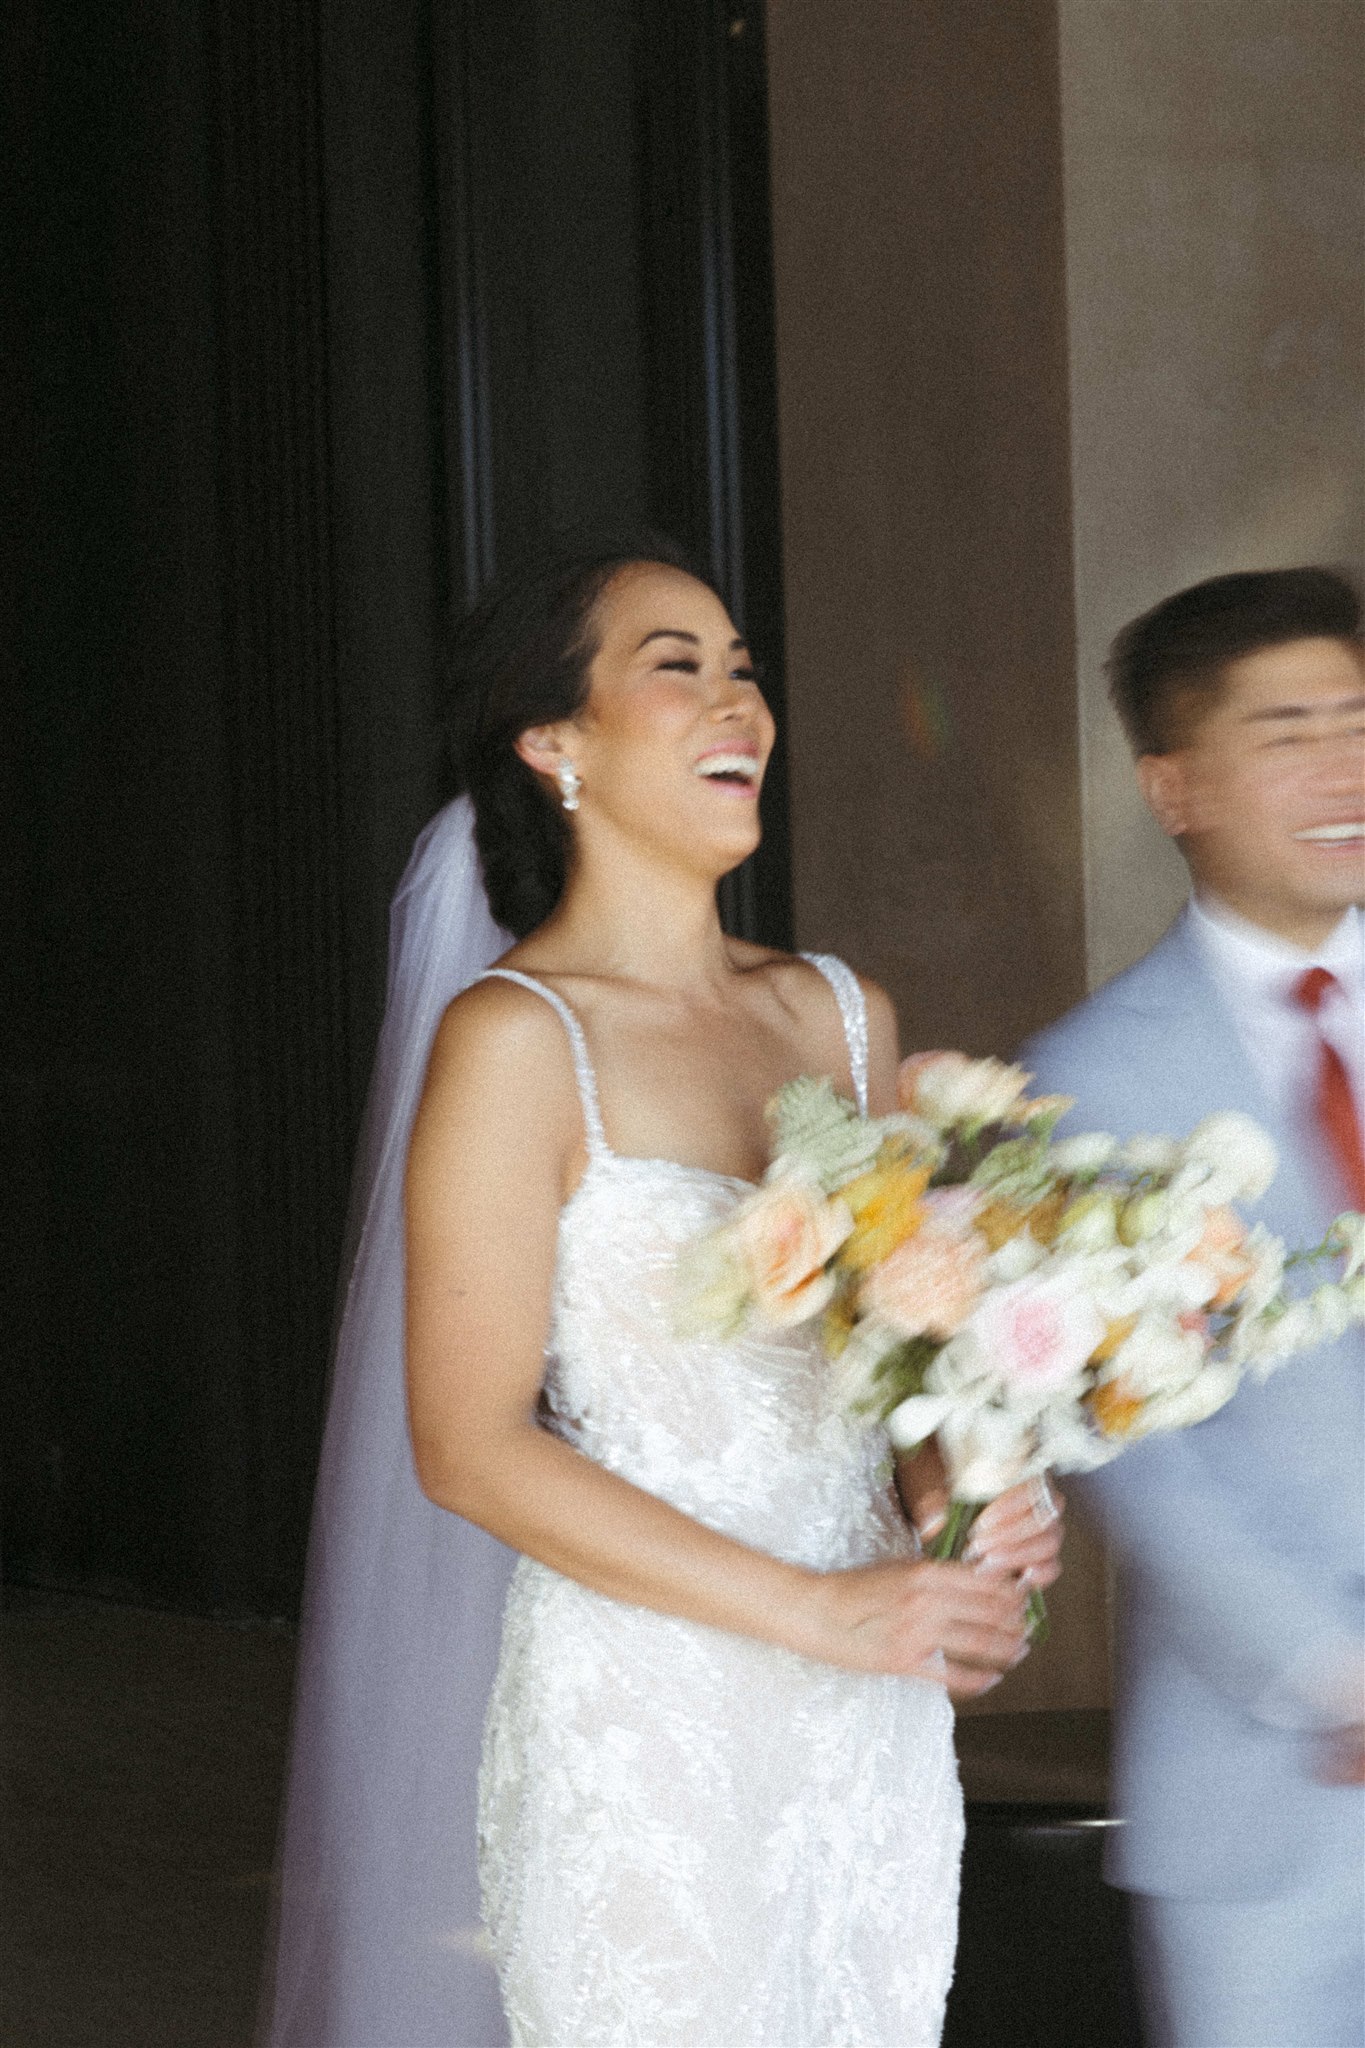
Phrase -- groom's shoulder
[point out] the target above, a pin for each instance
(1128, 1025)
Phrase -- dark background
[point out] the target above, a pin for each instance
(322, 314)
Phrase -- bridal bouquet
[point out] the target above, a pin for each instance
(1033, 1303)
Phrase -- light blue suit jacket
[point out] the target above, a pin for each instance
(1240, 1543)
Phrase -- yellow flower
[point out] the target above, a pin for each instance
(887, 1208)
(1115, 1334)
(999, 1221)
(840, 1321)
(1116, 1411)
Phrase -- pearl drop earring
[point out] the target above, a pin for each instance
(570, 782)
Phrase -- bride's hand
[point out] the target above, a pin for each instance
(1019, 1536)
(1019, 1533)
(919, 1620)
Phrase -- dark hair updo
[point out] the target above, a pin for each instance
(521, 659)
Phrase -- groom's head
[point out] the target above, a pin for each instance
(1244, 699)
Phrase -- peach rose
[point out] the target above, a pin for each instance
(787, 1232)
(930, 1284)
(1222, 1250)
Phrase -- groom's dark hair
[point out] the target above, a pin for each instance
(521, 659)
(1167, 668)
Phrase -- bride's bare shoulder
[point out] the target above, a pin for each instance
(805, 993)
(796, 978)
(499, 1029)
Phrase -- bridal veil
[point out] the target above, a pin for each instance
(377, 1940)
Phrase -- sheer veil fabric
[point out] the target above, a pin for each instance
(377, 1942)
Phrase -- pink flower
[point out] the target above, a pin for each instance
(953, 1211)
(1038, 1333)
(930, 1284)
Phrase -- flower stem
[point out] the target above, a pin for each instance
(952, 1540)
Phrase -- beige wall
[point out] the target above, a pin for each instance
(923, 396)
(1069, 300)
(917, 175)
(1215, 254)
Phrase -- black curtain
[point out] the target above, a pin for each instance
(323, 313)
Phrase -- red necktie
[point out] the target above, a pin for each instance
(1333, 1102)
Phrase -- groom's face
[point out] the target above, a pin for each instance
(1267, 795)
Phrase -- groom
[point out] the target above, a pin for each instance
(1240, 1544)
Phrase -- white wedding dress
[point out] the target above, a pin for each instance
(686, 1836)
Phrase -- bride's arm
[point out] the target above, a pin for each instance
(1010, 1536)
(496, 1141)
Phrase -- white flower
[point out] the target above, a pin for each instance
(1294, 1330)
(962, 1369)
(1086, 1154)
(1038, 1333)
(1145, 1216)
(855, 1369)
(955, 1092)
(1347, 1236)
(1071, 1444)
(1158, 1357)
(1266, 1254)
(1332, 1316)
(915, 1420)
(1203, 1395)
(1265, 1340)
(1150, 1155)
(986, 1451)
(1089, 1224)
(1165, 1276)
(1018, 1255)
(1229, 1158)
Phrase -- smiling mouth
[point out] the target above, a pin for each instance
(736, 771)
(1334, 835)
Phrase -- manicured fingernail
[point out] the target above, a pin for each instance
(1019, 1655)
(928, 1530)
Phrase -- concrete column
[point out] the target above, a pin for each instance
(1215, 257)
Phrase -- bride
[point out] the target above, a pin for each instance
(717, 1802)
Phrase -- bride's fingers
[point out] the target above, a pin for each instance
(1040, 1556)
(956, 1590)
(1021, 1531)
(1036, 1505)
(992, 1649)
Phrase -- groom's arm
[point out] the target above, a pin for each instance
(1234, 1610)
(1234, 1607)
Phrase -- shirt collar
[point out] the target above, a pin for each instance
(1270, 965)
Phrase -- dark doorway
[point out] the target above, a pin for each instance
(325, 314)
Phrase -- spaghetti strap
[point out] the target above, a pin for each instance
(582, 1064)
(848, 993)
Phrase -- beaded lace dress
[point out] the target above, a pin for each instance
(685, 1836)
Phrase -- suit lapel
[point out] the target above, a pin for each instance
(1175, 982)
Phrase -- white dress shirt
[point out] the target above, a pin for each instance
(1255, 973)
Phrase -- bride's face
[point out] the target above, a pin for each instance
(673, 740)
